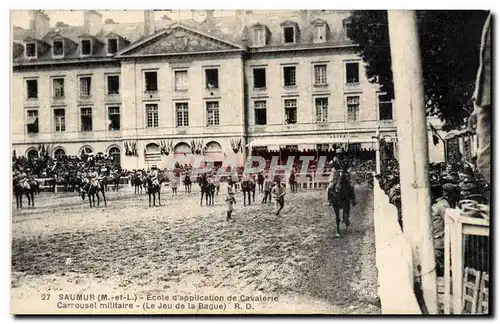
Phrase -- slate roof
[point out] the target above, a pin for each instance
(229, 28)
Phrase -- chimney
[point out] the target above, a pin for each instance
(92, 22)
(305, 19)
(149, 22)
(39, 23)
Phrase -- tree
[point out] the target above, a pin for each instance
(449, 44)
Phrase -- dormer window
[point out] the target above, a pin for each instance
(112, 45)
(58, 48)
(31, 50)
(347, 25)
(289, 35)
(320, 33)
(259, 36)
(86, 47)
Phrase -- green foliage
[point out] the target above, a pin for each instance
(449, 44)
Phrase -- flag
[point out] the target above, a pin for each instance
(435, 135)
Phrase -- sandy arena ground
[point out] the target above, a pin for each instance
(183, 249)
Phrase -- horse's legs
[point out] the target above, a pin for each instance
(104, 197)
(337, 220)
(32, 194)
(201, 199)
(345, 215)
(90, 198)
(159, 202)
(149, 194)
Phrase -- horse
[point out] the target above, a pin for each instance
(187, 183)
(248, 188)
(27, 188)
(137, 182)
(207, 189)
(216, 183)
(115, 180)
(92, 189)
(153, 189)
(340, 195)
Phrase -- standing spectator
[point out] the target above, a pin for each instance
(278, 193)
(230, 200)
(268, 185)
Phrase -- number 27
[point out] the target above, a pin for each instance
(45, 296)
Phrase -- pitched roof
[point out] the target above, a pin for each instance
(232, 29)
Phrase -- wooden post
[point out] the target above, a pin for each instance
(378, 167)
(413, 151)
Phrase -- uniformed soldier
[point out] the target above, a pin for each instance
(153, 175)
(448, 200)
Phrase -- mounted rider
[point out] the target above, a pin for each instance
(94, 177)
(339, 164)
(153, 175)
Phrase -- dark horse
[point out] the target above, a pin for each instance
(207, 189)
(292, 180)
(187, 183)
(92, 189)
(248, 189)
(340, 195)
(27, 188)
(153, 189)
(137, 182)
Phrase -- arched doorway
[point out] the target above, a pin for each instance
(152, 154)
(214, 151)
(32, 154)
(59, 153)
(115, 153)
(181, 153)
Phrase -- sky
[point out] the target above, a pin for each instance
(75, 17)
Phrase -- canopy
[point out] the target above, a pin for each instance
(307, 140)
(458, 133)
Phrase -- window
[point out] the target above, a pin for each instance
(86, 119)
(289, 75)
(60, 120)
(113, 84)
(347, 26)
(289, 35)
(182, 114)
(260, 112)
(385, 107)
(86, 47)
(112, 45)
(322, 147)
(59, 154)
(32, 121)
(352, 108)
(352, 72)
(321, 109)
(259, 78)
(58, 87)
(152, 115)
(151, 79)
(320, 33)
(181, 80)
(85, 83)
(212, 78)
(114, 118)
(58, 48)
(320, 75)
(114, 152)
(31, 50)
(32, 89)
(290, 111)
(212, 113)
(259, 36)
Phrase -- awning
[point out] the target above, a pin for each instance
(308, 140)
(31, 120)
(458, 133)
